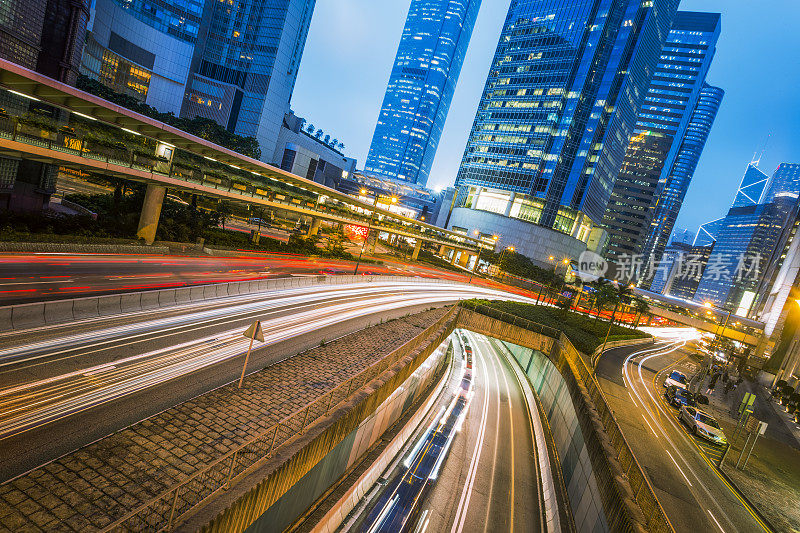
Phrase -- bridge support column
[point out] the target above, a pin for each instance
(151, 212)
(313, 229)
(417, 248)
(463, 259)
(372, 241)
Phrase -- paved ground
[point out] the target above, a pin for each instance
(771, 479)
(90, 488)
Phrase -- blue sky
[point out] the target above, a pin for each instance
(351, 47)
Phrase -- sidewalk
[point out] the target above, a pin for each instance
(771, 480)
(92, 487)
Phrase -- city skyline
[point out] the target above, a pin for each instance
(728, 150)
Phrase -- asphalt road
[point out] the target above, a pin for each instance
(488, 482)
(38, 277)
(681, 467)
(68, 385)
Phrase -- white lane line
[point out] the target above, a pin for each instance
(466, 494)
(715, 520)
(651, 427)
(679, 468)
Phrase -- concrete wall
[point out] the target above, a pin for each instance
(579, 478)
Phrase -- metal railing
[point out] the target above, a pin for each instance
(61, 140)
(172, 505)
(644, 495)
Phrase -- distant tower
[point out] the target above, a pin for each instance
(421, 86)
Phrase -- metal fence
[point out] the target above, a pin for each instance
(173, 505)
(643, 494)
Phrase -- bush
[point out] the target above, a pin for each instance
(585, 333)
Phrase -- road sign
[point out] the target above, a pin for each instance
(747, 402)
(255, 331)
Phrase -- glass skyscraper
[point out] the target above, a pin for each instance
(786, 178)
(751, 188)
(559, 106)
(668, 107)
(421, 85)
(671, 197)
(232, 62)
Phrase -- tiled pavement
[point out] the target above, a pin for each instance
(98, 484)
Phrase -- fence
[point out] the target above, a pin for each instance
(643, 495)
(173, 505)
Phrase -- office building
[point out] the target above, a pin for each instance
(233, 63)
(421, 85)
(560, 103)
(785, 179)
(668, 107)
(693, 265)
(45, 36)
(752, 187)
(747, 237)
(670, 267)
(670, 198)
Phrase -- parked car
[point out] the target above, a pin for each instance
(678, 379)
(702, 425)
(678, 397)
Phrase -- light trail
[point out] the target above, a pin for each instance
(38, 402)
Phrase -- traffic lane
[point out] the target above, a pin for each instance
(45, 443)
(488, 483)
(690, 490)
(36, 358)
(40, 402)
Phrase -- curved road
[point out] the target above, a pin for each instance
(692, 492)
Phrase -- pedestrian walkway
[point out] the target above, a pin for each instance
(91, 488)
(771, 479)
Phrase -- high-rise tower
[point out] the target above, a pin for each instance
(421, 85)
(559, 106)
(667, 110)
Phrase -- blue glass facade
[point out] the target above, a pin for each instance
(559, 105)
(677, 182)
(421, 85)
(245, 65)
(785, 179)
(179, 18)
(744, 243)
(672, 96)
(752, 187)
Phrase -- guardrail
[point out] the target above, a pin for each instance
(171, 506)
(644, 496)
(38, 314)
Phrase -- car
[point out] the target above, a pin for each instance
(677, 379)
(678, 397)
(702, 425)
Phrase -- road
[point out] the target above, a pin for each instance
(81, 381)
(681, 467)
(37, 277)
(488, 480)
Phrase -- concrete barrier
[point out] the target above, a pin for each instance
(27, 316)
(130, 302)
(5, 319)
(84, 308)
(109, 305)
(58, 311)
(149, 300)
(197, 293)
(183, 295)
(166, 298)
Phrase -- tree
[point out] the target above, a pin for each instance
(642, 308)
(623, 294)
(605, 295)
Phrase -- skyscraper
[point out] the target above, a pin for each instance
(671, 100)
(421, 85)
(670, 199)
(786, 178)
(45, 36)
(751, 188)
(234, 63)
(559, 106)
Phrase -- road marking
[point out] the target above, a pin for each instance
(715, 520)
(651, 427)
(679, 468)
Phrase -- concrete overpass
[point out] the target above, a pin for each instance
(738, 328)
(222, 173)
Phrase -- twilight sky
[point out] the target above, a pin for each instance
(352, 43)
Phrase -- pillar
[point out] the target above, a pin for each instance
(372, 241)
(510, 204)
(463, 258)
(151, 211)
(313, 229)
(417, 248)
